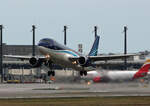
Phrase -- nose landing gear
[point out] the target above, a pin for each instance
(83, 73)
(51, 73)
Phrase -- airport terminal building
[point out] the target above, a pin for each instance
(19, 50)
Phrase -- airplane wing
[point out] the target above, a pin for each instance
(105, 57)
(109, 57)
(22, 57)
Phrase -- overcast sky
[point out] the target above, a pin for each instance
(81, 16)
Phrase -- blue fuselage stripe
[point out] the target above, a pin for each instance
(68, 52)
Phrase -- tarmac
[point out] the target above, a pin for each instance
(60, 90)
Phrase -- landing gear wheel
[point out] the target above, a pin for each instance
(81, 73)
(53, 73)
(85, 73)
(49, 73)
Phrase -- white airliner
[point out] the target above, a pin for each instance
(108, 76)
(55, 53)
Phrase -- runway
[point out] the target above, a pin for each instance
(72, 90)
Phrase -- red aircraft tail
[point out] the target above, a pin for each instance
(143, 70)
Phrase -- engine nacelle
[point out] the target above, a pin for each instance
(35, 62)
(82, 60)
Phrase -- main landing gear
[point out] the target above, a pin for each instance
(83, 73)
(51, 73)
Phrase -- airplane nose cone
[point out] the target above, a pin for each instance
(40, 47)
(40, 44)
(47, 43)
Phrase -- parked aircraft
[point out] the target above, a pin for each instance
(55, 53)
(105, 76)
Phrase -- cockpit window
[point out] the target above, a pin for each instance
(46, 40)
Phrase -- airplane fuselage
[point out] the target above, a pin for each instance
(59, 54)
(111, 76)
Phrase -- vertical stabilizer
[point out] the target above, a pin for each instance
(143, 70)
(94, 48)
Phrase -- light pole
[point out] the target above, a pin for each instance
(1, 53)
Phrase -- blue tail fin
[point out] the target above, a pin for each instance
(94, 49)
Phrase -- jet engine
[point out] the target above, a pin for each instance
(35, 62)
(82, 60)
